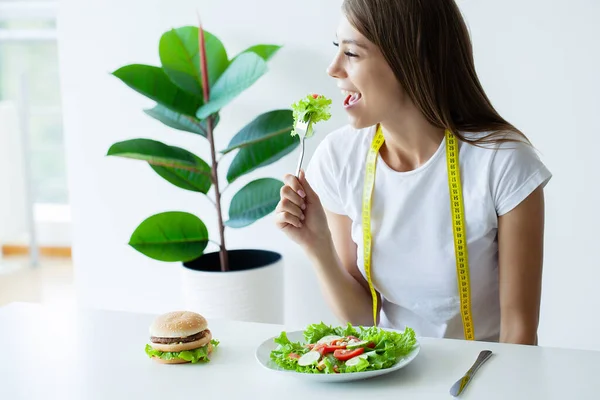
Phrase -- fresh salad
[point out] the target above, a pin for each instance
(332, 350)
(312, 109)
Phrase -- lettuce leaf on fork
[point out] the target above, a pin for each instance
(313, 107)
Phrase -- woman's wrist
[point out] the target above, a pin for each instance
(321, 248)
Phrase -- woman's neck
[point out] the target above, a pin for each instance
(409, 143)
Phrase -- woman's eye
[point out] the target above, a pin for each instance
(347, 53)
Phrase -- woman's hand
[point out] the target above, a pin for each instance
(300, 214)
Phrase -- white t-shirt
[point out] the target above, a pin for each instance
(413, 261)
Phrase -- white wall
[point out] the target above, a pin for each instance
(539, 62)
(536, 59)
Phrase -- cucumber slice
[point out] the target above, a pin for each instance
(369, 354)
(310, 358)
(354, 361)
(364, 343)
(328, 339)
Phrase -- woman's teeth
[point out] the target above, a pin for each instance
(348, 93)
(351, 98)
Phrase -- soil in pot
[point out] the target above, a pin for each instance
(239, 260)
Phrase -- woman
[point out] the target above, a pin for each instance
(407, 69)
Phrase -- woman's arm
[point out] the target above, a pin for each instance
(521, 243)
(326, 239)
(344, 287)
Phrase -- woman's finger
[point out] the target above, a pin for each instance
(288, 193)
(292, 181)
(284, 218)
(286, 205)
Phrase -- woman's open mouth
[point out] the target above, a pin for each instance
(351, 98)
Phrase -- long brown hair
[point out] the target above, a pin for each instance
(427, 45)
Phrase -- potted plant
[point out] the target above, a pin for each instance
(195, 80)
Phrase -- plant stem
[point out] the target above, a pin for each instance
(223, 256)
(215, 178)
(215, 243)
(211, 200)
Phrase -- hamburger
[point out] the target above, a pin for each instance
(180, 337)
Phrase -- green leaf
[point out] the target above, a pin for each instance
(171, 236)
(176, 165)
(242, 73)
(180, 58)
(254, 201)
(186, 179)
(260, 154)
(180, 121)
(265, 51)
(156, 153)
(153, 83)
(263, 127)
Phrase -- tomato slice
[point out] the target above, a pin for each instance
(320, 348)
(333, 348)
(294, 355)
(344, 355)
(353, 337)
(315, 95)
(371, 345)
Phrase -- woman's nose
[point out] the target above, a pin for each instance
(335, 70)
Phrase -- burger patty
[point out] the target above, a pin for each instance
(188, 339)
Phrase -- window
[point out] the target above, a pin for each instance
(29, 79)
(34, 205)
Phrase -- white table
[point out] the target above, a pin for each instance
(60, 354)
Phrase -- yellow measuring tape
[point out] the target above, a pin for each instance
(458, 224)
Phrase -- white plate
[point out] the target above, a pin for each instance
(263, 353)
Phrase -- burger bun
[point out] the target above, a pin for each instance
(178, 324)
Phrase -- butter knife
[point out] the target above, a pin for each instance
(462, 383)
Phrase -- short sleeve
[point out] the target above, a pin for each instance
(516, 171)
(324, 176)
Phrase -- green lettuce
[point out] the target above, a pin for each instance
(194, 356)
(313, 108)
(281, 355)
(363, 365)
(314, 332)
(389, 347)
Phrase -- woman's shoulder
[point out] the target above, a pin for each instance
(509, 163)
(497, 148)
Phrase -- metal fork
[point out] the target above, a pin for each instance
(301, 129)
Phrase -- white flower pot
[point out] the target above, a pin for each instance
(252, 290)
